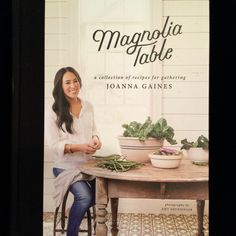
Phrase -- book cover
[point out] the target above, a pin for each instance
(23, 51)
(136, 59)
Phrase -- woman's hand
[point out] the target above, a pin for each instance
(95, 142)
(87, 148)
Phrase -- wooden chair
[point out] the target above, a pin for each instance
(59, 221)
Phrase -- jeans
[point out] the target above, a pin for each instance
(84, 198)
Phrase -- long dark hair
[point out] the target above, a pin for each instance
(61, 105)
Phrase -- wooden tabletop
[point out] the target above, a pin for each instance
(186, 172)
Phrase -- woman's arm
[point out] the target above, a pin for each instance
(84, 148)
(62, 145)
(55, 141)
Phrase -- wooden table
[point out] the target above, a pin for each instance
(188, 181)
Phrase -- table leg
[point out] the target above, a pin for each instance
(200, 214)
(101, 205)
(114, 211)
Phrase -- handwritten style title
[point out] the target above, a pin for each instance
(138, 41)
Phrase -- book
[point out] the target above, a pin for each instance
(27, 124)
(136, 59)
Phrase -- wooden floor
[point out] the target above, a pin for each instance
(145, 225)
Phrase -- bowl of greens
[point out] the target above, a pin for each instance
(141, 139)
(197, 150)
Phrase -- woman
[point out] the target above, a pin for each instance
(72, 136)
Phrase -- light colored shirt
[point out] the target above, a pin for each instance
(83, 129)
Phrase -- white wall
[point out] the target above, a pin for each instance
(68, 42)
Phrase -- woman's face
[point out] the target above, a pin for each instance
(70, 85)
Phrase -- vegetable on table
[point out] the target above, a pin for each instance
(167, 151)
(116, 162)
(201, 141)
(159, 130)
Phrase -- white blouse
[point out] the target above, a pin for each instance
(83, 127)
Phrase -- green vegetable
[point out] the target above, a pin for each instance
(116, 162)
(158, 130)
(200, 163)
(111, 156)
(202, 142)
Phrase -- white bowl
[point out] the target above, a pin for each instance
(135, 150)
(198, 155)
(165, 161)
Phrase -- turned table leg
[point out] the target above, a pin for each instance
(114, 211)
(200, 214)
(101, 205)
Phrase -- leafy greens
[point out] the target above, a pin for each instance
(158, 130)
(202, 142)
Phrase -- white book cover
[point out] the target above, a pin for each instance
(136, 58)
